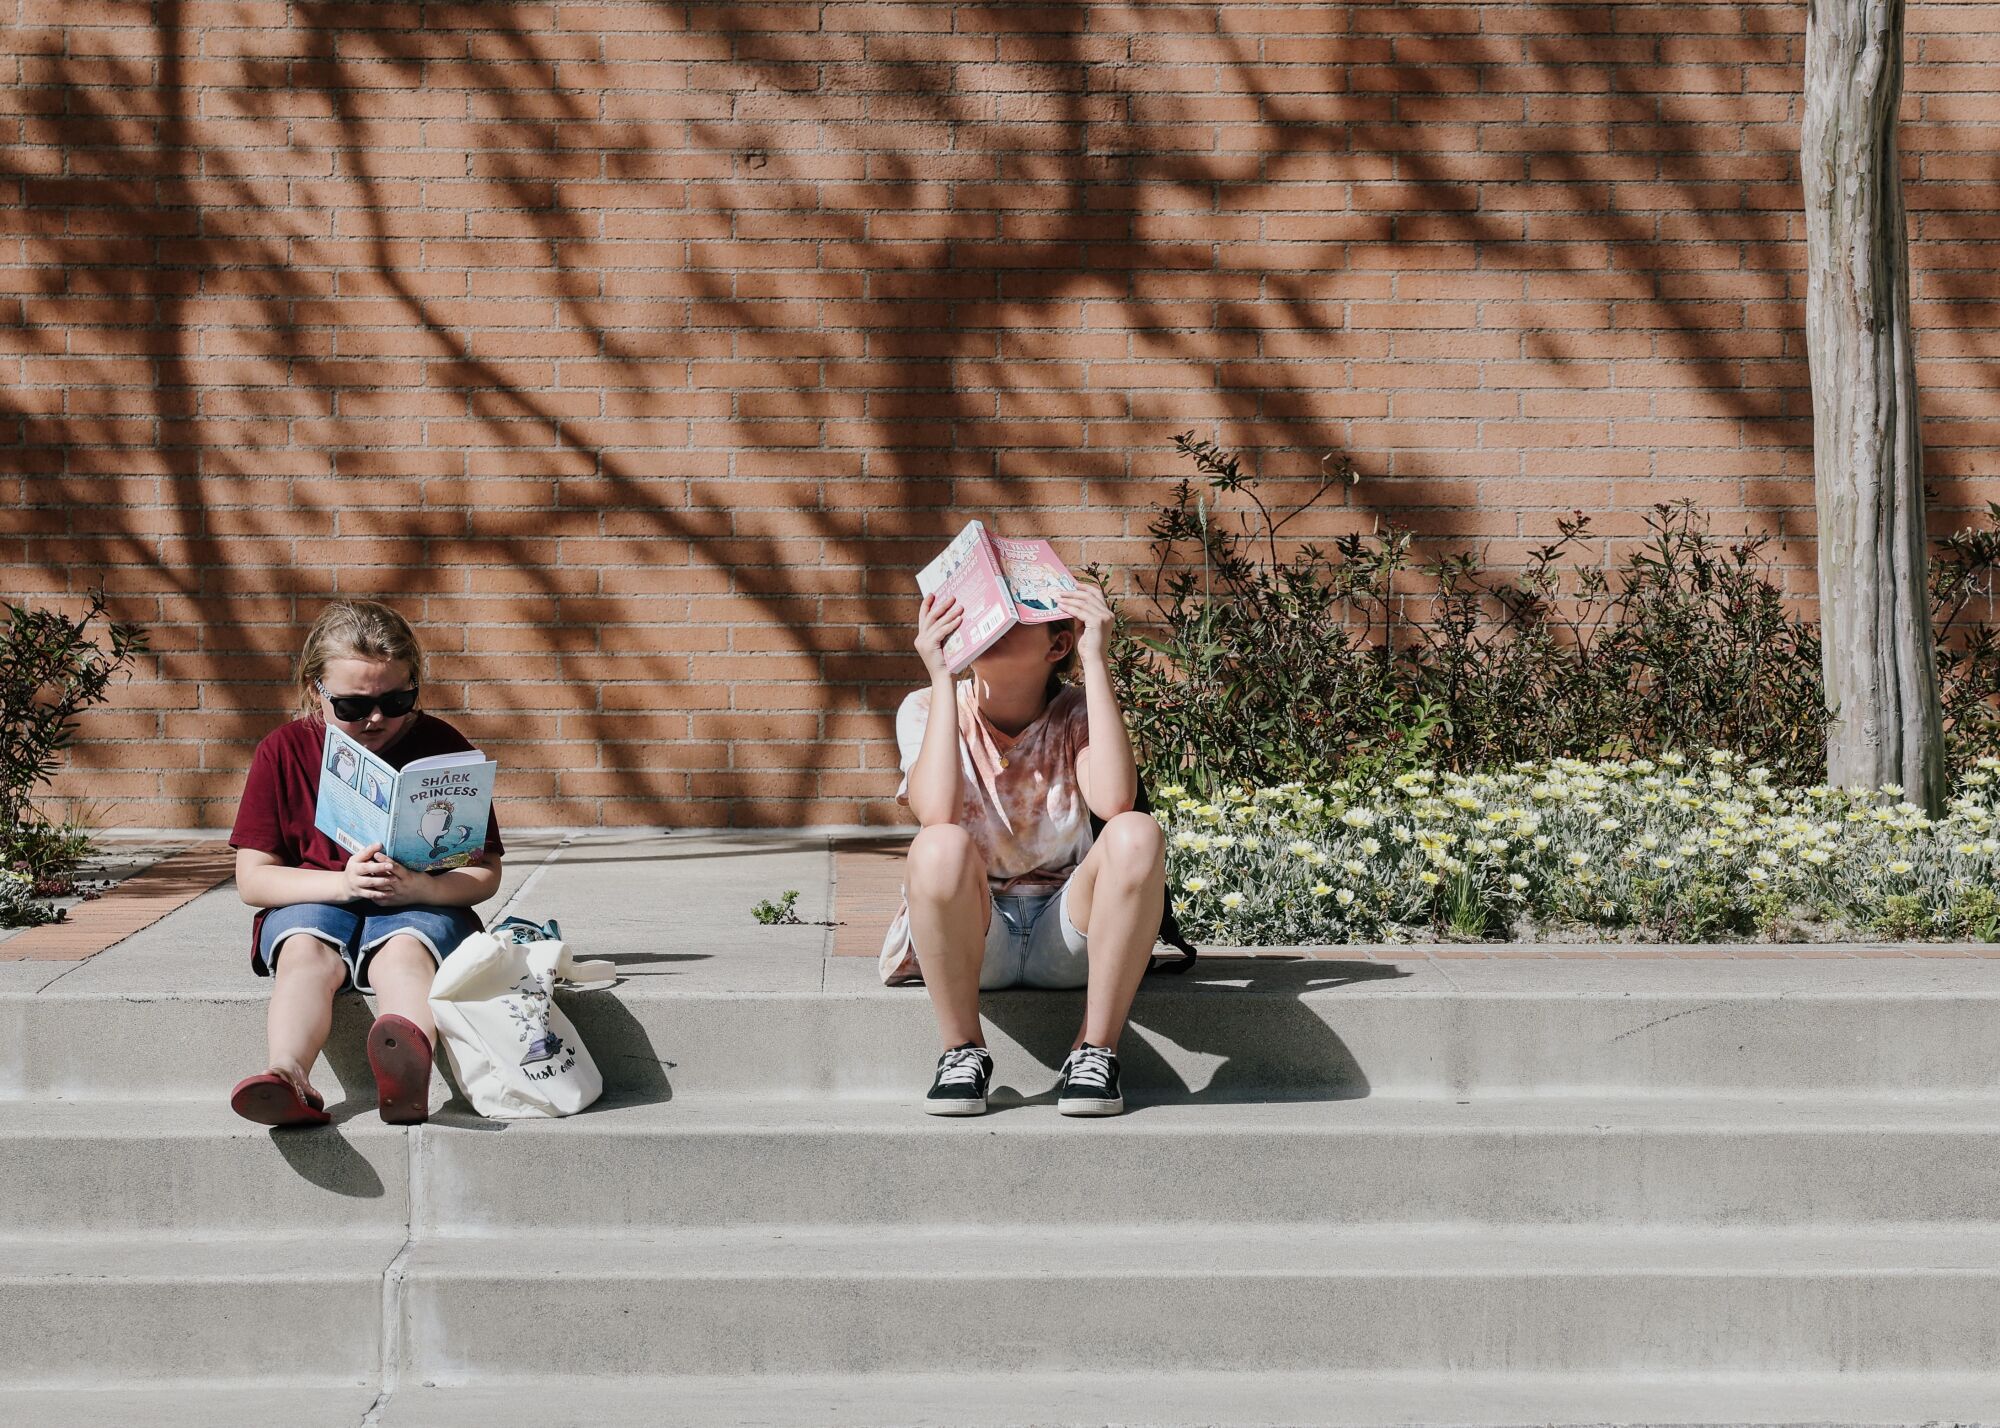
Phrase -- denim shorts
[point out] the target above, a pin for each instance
(356, 930)
(1031, 942)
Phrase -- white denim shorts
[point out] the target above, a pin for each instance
(1031, 942)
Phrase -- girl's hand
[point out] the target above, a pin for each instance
(371, 877)
(368, 875)
(404, 885)
(936, 622)
(1088, 607)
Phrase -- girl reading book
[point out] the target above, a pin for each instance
(330, 919)
(1005, 885)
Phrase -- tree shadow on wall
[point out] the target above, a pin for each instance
(643, 365)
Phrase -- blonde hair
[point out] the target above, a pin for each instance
(355, 629)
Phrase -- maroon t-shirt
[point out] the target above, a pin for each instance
(281, 794)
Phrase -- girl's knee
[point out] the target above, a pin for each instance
(402, 955)
(1134, 844)
(305, 958)
(942, 860)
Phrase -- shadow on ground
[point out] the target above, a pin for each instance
(1231, 1029)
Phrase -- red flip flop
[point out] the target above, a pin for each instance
(400, 1056)
(270, 1100)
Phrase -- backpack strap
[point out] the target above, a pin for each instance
(1170, 927)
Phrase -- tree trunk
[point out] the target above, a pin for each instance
(1879, 655)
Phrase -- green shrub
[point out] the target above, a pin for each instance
(1257, 661)
(784, 911)
(52, 668)
(1962, 576)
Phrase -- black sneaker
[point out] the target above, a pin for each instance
(1090, 1083)
(960, 1087)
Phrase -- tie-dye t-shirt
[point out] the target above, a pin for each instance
(1018, 799)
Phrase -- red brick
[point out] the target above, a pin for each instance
(642, 352)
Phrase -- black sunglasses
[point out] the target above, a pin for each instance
(353, 708)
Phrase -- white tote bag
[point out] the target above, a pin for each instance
(512, 1051)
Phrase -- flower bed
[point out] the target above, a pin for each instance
(1666, 849)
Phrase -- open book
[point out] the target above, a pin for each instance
(999, 582)
(429, 815)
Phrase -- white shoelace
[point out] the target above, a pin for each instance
(961, 1066)
(1089, 1066)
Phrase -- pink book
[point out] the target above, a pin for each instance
(1000, 582)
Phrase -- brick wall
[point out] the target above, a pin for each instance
(639, 352)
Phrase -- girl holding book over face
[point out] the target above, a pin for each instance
(1005, 885)
(331, 919)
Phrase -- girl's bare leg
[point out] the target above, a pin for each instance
(401, 973)
(303, 985)
(945, 884)
(1115, 899)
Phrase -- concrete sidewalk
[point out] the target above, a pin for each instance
(635, 896)
(677, 906)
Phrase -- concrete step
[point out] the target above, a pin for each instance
(1184, 1399)
(194, 1167)
(100, 1310)
(1235, 1030)
(188, 1406)
(175, 1167)
(1245, 1400)
(1630, 1161)
(1204, 1298)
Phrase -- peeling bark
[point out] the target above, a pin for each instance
(1879, 655)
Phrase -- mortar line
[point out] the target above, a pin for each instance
(534, 876)
(393, 1340)
(392, 1343)
(832, 908)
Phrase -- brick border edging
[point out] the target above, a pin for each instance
(135, 903)
(867, 883)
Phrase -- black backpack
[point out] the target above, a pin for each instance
(1170, 927)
